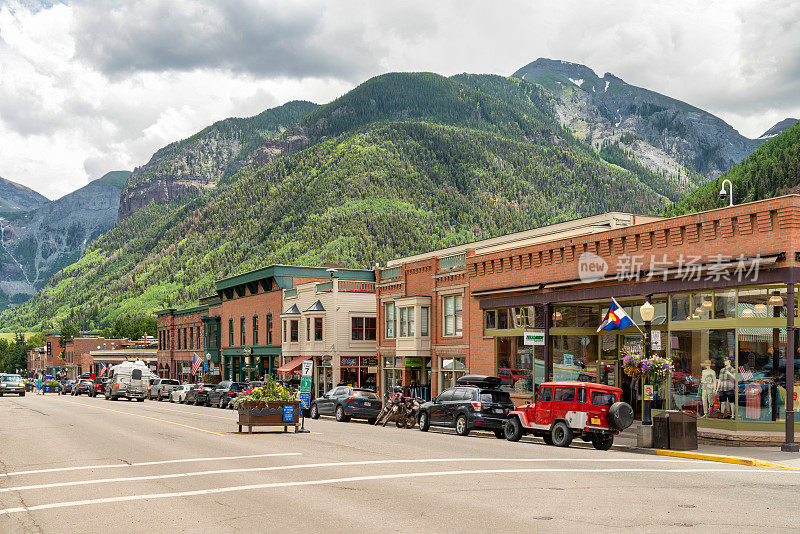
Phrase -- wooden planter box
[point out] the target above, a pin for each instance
(51, 389)
(272, 413)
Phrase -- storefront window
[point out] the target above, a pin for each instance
(575, 358)
(762, 374)
(681, 307)
(576, 316)
(704, 377)
(450, 370)
(523, 317)
(392, 373)
(502, 319)
(762, 302)
(490, 319)
(725, 304)
(424, 312)
(515, 364)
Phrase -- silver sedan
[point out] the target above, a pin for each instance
(179, 393)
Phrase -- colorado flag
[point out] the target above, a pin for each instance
(616, 318)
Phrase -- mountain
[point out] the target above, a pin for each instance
(16, 197)
(666, 135)
(777, 129)
(402, 164)
(40, 242)
(772, 170)
(198, 163)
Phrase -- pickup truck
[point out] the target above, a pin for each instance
(566, 410)
(161, 388)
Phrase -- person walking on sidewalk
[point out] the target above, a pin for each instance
(38, 384)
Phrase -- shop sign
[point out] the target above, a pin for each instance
(349, 362)
(369, 362)
(569, 359)
(412, 362)
(633, 346)
(305, 384)
(655, 340)
(535, 339)
(648, 392)
(372, 369)
(288, 413)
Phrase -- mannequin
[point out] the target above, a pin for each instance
(725, 386)
(708, 385)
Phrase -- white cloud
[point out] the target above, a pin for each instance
(100, 85)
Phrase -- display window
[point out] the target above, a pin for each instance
(761, 374)
(519, 366)
(575, 357)
(704, 376)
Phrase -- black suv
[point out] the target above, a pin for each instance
(198, 395)
(475, 402)
(226, 390)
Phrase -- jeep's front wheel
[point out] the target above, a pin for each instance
(561, 434)
(513, 430)
(602, 442)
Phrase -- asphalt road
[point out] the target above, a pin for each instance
(77, 464)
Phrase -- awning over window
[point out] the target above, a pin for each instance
(317, 306)
(294, 310)
(292, 367)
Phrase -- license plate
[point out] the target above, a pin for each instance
(595, 421)
(367, 404)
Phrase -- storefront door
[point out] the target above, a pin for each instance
(608, 373)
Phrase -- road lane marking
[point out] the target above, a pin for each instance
(140, 464)
(249, 487)
(327, 464)
(151, 418)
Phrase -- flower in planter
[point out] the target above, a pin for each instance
(269, 391)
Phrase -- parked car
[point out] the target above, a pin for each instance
(161, 388)
(566, 410)
(199, 394)
(475, 402)
(83, 387)
(99, 386)
(12, 384)
(509, 376)
(346, 402)
(68, 386)
(221, 395)
(179, 393)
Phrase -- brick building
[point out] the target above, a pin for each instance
(527, 306)
(241, 323)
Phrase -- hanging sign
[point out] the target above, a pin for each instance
(535, 339)
(655, 340)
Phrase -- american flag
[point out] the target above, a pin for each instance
(102, 370)
(196, 363)
(745, 373)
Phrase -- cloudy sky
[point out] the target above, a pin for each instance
(98, 85)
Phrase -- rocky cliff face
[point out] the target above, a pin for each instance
(196, 164)
(15, 197)
(665, 134)
(39, 242)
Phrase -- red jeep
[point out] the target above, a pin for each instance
(566, 410)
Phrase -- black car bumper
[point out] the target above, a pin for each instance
(365, 412)
(488, 422)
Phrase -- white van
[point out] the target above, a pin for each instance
(129, 380)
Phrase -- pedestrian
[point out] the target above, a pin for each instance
(38, 383)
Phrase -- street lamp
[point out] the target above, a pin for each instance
(647, 311)
(723, 193)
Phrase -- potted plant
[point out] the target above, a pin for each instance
(271, 404)
(51, 386)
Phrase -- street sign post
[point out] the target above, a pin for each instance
(305, 389)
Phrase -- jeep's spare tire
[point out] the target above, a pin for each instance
(620, 416)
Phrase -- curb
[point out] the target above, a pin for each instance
(738, 460)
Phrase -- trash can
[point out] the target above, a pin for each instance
(661, 431)
(682, 431)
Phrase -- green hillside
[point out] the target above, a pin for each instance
(116, 178)
(383, 191)
(772, 170)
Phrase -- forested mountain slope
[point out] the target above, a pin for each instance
(375, 193)
(772, 170)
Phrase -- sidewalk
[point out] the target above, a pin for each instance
(627, 441)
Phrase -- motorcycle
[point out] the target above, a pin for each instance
(403, 411)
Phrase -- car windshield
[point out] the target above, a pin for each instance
(12, 378)
(600, 398)
(495, 397)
